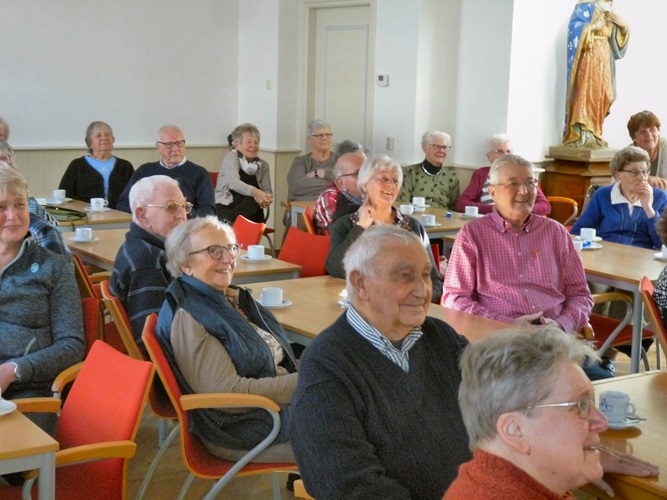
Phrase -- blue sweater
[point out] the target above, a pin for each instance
(614, 222)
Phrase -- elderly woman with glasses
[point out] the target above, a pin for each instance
(379, 181)
(99, 174)
(431, 179)
(311, 173)
(626, 211)
(218, 339)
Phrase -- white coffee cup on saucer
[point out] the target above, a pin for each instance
(616, 406)
(587, 233)
(428, 219)
(59, 194)
(84, 233)
(41, 201)
(471, 211)
(419, 201)
(271, 296)
(407, 209)
(98, 204)
(664, 252)
(255, 252)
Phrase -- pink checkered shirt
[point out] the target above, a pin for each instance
(499, 273)
(324, 208)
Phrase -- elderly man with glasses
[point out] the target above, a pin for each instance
(140, 277)
(519, 268)
(430, 178)
(194, 180)
(477, 192)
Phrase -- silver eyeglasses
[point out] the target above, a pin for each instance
(171, 207)
(169, 145)
(529, 184)
(439, 147)
(216, 251)
(637, 173)
(583, 405)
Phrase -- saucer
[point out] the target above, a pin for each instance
(592, 246)
(472, 216)
(658, 255)
(627, 422)
(431, 225)
(265, 258)
(6, 406)
(343, 302)
(90, 209)
(421, 208)
(57, 201)
(79, 240)
(597, 238)
(285, 303)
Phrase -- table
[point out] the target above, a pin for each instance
(24, 446)
(109, 219)
(102, 253)
(648, 392)
(623, 266)
(315, 307)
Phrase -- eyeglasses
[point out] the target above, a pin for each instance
(637, 173)
(439, 147)
(583, 406)
(349, 175)
(169, 145)
(171, 207)
(322, 136)
(529, 184)
(216, 251)
(385, 180)
(502, 151)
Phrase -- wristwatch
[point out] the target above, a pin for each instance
(316, 176)
(16, 371)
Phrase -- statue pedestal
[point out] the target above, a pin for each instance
(574, 169)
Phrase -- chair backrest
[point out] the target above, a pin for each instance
(83, 278)
(121, 321)
(214, 178)
(248, 232)
(563, 209)
(653, 312)
(306, 250)
(309, 220)
(106, 403)
(92, 321)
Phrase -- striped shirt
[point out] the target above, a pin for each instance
(400, 357)
(500, 273)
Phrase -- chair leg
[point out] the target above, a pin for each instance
(162, 430)
(156, 460)
(657, 355)
(186, 486)
(273, 250)
(276, 486)
(647, 366)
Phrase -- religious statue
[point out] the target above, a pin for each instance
(596, 37)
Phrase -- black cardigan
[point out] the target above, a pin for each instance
(83, 182)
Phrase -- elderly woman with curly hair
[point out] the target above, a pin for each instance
(244, 182)
(219, 339)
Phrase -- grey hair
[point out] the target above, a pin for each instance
(91, 130)
(373, 241)
(244, 128)
(141, 193)
(378, 163)
(343, 159)
(430, 134)
(6, 151)
(12, 182)
(178, 245)
(164, 128)
(499, 163)
(4, 126)
(314, 125)
(495, 140)
(629, 154)
(511, 370)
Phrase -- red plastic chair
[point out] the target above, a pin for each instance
(248, 232)
(306, 250)
(92, 321)
(654, 316)
(214, 178)
(309, 220)
(97, 426)
(198, 460)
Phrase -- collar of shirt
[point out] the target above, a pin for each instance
(185, 158)
(617, 197)
(504, 226)
(400, 357)
(352, 198)
(430, 169)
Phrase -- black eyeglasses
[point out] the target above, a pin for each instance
(216, 251)
(583, 406)
(439, 147)
(171, 207)
(169, 145)
(637, 173)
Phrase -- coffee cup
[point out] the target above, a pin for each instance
(587, 233)
(578, 245)
(428, 219)
(41, 201)
(59, 194)
(271, 296)
(471, 211)
(664, 252)
(418, 201)
(98, 204)
(84, 233)
(407, 209)
(255, 252)
(616, 405)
